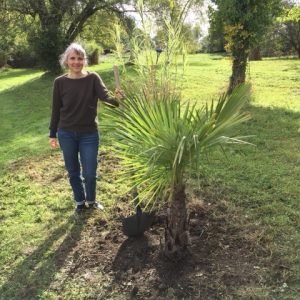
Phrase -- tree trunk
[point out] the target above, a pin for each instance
(177, 238)
(238, 70)
(255, 54)
(3, 59)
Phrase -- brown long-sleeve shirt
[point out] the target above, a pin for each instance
(74, 104)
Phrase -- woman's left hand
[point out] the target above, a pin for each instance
(119, 94)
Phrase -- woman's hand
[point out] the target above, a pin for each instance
(53, 143)
(119, 94)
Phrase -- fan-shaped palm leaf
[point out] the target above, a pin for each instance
(158, 143)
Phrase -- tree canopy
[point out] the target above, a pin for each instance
(58, 22)
(244, 25)
(291, 24)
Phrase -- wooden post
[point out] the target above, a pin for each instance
(117, 77)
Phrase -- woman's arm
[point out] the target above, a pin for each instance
(55, 115)
(103, 93)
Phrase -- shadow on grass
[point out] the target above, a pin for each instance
(282, 58)
(268, 125)
(36, 272)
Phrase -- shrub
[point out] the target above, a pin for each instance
(93, 51)
(23, 56)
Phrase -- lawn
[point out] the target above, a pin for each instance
(245, 212)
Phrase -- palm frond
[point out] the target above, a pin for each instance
(158, 143)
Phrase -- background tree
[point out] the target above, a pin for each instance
(59, 23)
(283, 36)
(7, 36)
(15, 49)
(190, 35)
(168, 12)
(244, 23)
(216, 35)
(97, 36)
(273, 43)
(98, 27)
(291, 24)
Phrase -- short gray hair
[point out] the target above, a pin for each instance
(78, 49)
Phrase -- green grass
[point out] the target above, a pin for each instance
(262, 181)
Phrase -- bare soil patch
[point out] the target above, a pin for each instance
(222, 261)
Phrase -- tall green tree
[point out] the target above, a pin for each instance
(291, 24)
(60, 22)
(99, 27)
(245, 22)
(216, 39)
(168, 12)
(191, 36)
(14, 32)
(7, 36)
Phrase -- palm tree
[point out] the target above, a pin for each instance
(161, 143)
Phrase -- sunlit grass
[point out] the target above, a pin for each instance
(261, 180)
(14, 77)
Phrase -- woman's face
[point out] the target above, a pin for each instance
(75, 62)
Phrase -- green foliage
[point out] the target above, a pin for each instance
(160, 142)
(274, 37)
(15, 43)
(291, 14)
(59, 23)
(290, 21)
(12, 37)
(246, 21)
(273, 43)
(190, 38)
(22, 54)
(215, 40)
(153, 118)
(170, 12)
(93, 51)
(159, 74)
(99, 26)
(244, 24)
(7, 36)
(49, 43)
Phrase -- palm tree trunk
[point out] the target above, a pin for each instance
(177, 238)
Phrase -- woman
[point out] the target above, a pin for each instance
(74, 123)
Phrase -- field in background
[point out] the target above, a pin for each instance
(259, 184)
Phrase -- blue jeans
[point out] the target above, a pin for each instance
(80, 151)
